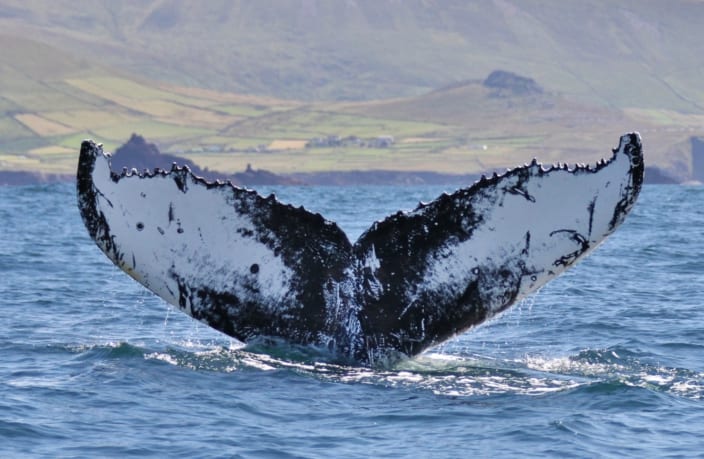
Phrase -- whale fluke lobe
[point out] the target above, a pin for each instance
(254, 267)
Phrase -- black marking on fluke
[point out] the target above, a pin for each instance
(253, 267)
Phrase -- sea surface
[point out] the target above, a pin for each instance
(605, 361)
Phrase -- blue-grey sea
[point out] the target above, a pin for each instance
(605, 361)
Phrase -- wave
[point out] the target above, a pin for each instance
(442, 374)
(623, 367)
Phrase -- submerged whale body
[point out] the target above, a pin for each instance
(251, 266)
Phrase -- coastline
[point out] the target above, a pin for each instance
(251, 177)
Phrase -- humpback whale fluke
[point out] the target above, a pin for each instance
(251, 266)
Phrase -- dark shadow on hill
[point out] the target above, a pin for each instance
(656, 176)
(697, 145)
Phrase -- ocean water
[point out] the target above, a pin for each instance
(605, 361)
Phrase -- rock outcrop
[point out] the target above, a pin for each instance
(138, 154)
(508, 83)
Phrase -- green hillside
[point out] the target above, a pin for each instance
(51, 100)
(54, 100)
(633, 53)
(228, 84)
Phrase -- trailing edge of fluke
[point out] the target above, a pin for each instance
(252, 267)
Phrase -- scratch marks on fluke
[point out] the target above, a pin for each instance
(254, 267)
(582, 247)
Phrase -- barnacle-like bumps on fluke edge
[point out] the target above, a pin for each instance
(253, 267)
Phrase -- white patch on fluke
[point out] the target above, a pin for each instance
(196, 234)
(538, 228)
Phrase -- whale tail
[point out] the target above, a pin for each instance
(251, 266)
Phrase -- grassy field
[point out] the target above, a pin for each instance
(50, 103)
(463, 130)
